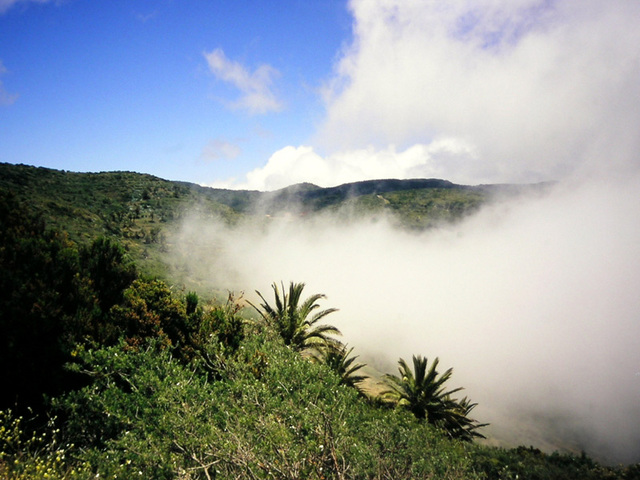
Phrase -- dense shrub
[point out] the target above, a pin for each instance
(148, 412)
(45, 302)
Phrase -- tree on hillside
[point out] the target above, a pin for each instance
(458, 424)
(337, 357)
(294, 319)
(150, 310)
(217, 333)
(110, 270)
(422, 392)
(45, 304)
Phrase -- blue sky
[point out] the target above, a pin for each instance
(125, 85)
(261, 94)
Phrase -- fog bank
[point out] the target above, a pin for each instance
(533, 302)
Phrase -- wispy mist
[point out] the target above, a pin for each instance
(534, 303)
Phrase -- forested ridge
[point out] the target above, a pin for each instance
(142, 211)
(111, 371)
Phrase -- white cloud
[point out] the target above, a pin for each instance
(6, 98)
(255, 87)
(220, 148)
(540, 89)
(480, 91)
(291, 165)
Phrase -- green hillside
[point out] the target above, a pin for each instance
(131, 205)
(140, 211)
(109, 373)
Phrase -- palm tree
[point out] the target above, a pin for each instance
(337, 358)
(457, 422)
(293, 320)
(422, 392)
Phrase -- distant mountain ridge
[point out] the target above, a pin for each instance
(318, 197)
(141, 210)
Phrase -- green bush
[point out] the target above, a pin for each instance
(45, 303)
(148, 412)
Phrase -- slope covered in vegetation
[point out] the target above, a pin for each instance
(142, 211)
(108, 373)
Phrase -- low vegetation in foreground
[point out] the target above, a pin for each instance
(111, 374)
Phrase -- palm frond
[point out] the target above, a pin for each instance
(339, 360)
(292, 319)
(422, 391)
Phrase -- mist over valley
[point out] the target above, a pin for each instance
(533, 302)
